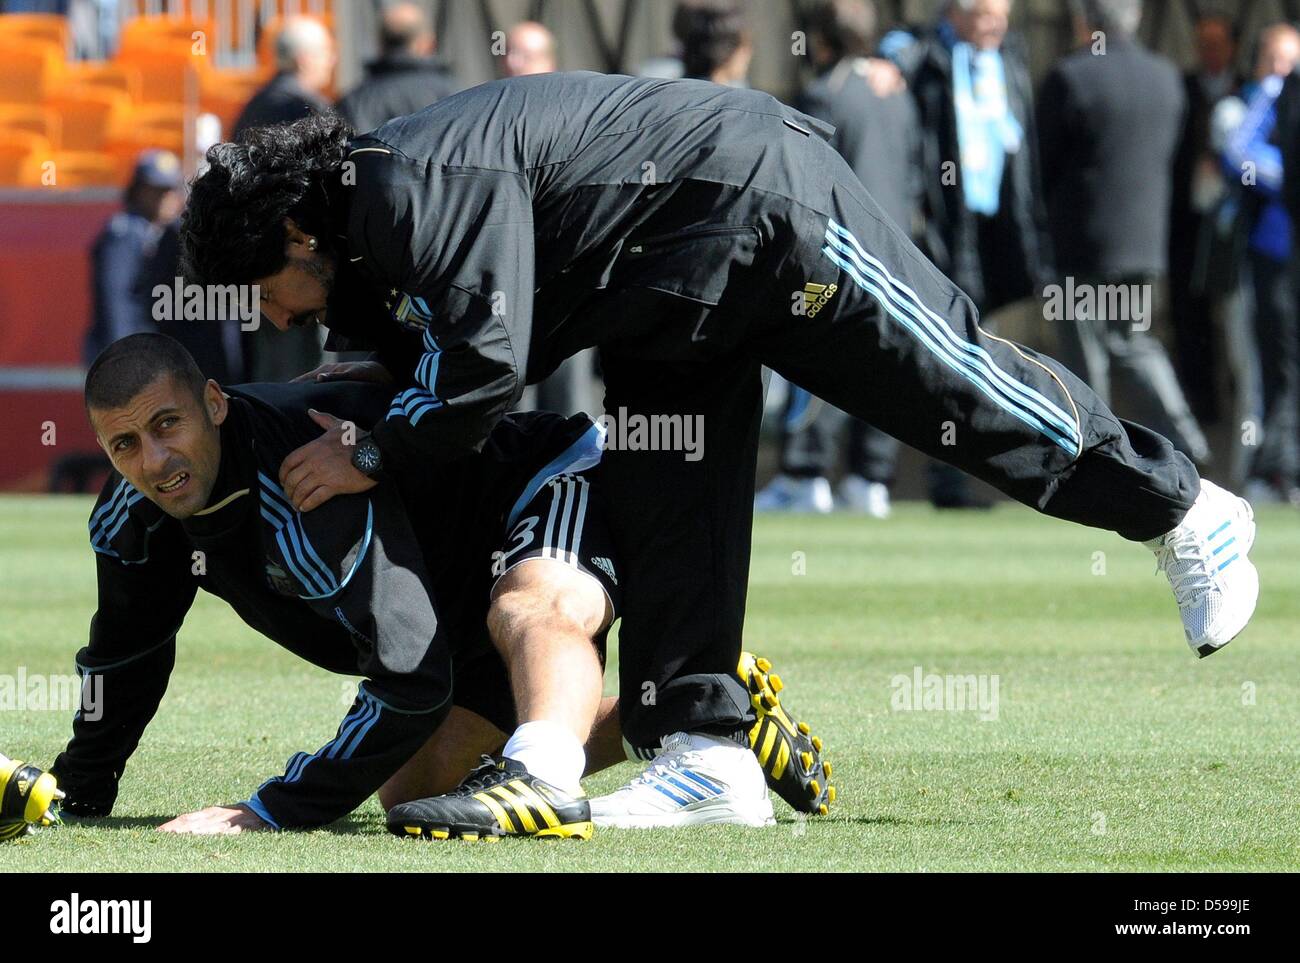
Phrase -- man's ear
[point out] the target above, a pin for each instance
(214, 400)
(294, 236)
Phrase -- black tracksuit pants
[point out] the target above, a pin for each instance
(897, 344)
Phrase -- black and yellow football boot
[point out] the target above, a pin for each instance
(791, 756)
(27, 798)
(499, 798)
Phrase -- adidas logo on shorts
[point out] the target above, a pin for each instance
(606, 566)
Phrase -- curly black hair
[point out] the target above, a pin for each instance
(232, 231)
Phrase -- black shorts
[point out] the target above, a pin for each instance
(565, 521)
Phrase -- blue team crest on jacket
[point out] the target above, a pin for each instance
(412, 313)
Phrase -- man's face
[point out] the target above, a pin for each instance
(1214, 47)
(316, 66)
(296, 296)
(166, 443)
(162, 205)
(985, 24)
(1278, 52)
(528, 51)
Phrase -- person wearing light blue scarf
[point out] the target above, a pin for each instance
(987, 131)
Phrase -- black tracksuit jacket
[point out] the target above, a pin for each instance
(489, 223)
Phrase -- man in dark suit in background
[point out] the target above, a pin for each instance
(1110, 115)
(405, 77)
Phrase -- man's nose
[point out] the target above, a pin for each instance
(156, 455)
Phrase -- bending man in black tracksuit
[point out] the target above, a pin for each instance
(673, 224)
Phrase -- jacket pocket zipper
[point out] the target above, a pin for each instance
(648, 244)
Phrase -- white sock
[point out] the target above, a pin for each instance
(550, 752)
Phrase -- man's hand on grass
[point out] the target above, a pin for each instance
(215, 821)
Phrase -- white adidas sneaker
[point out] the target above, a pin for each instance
(1215, 584)
(785, 493)
(695, 780)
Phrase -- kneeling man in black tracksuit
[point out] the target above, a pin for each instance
(400, 585)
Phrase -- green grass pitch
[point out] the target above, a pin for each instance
(1113, 748)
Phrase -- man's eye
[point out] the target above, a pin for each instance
(122, 445)
(167, 422)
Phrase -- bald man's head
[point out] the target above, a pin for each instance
(305, 48)
(404, 28)
(530, 49)
(1279, 51)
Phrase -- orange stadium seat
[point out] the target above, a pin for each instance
(33, 119)
(177, 33)
(150, 117)
(168, 73)
(149, 126)
(49, 27)
(29, 70)
(94, 73)
(17, 149)
(89, 115)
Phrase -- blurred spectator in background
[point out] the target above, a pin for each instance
(877, 132)
(715, 40)
(983, 218)
(1253, 164)
(405, 77)
(530, 49)
(1109, 125)
(304, 65)
(304, 61)
(153, 199)
(1196, 284)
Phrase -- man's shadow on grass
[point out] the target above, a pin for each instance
(344, 827)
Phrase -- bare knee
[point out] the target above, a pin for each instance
(546, 597)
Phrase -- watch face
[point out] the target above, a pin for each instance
(366, 458)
